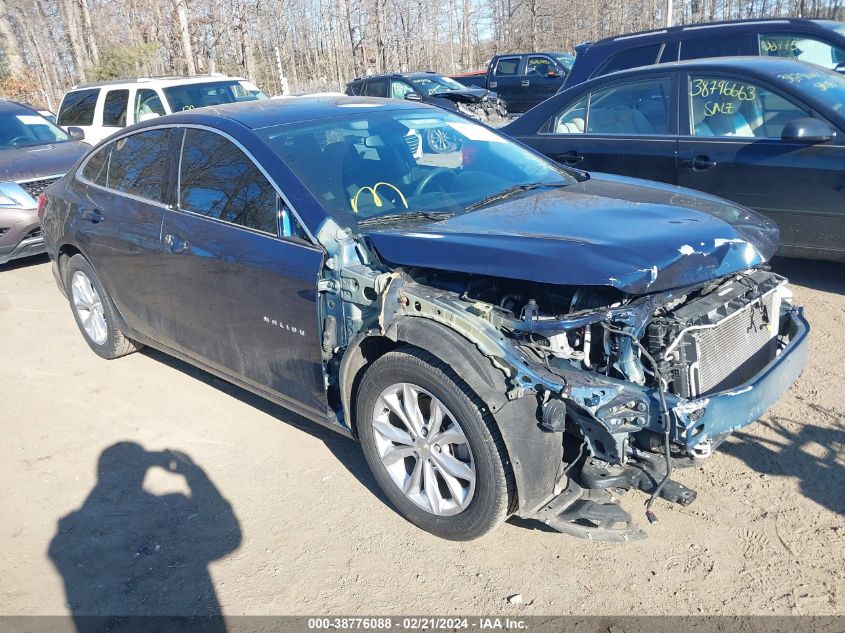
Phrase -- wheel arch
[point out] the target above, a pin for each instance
(533, 454)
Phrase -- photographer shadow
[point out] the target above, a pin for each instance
(127, 552)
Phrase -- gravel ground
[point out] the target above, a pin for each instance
(211, 498)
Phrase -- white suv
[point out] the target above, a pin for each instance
(92, 112)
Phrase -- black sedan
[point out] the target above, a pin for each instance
(766, 133)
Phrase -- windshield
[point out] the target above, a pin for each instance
(822, 84)
(413, 162)
(20, 129)
(436, 84)
(564, 60)
(190, 96)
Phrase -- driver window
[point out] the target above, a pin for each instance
(147, 102)
(802, 47)
(728, 107)
(539, 66)
(398, 89)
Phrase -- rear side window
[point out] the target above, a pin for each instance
(96, 169)
(114, 108)
(376, 88)
(138, 164)
(507, 66)
(722, 46)
(78, 107)
(632, 58)
(219, 181)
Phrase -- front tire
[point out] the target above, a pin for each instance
(433, 448)
(94, 311)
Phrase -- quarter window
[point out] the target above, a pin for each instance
(97, 166)
(730, 107)
(78, 107)
(807, 49)
(632, 58)
(114, 108)
(138, 164)
(507, 66)
(219, 181)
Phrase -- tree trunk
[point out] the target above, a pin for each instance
(184, 28)
(10, 43)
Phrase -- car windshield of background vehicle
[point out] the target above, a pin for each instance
(805, 48)
(25, 130)
(200, 95)
(727, 107)
(388, 162)
(435, 85)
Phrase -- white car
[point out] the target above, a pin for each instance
(92, 112)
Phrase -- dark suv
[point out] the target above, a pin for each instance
(820, 42)
(433, 88)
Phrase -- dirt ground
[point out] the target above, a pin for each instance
(264, 513)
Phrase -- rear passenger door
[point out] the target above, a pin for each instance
(626, 127)
(505, 80)
(118, 226)
(244, 295)
(114, 114)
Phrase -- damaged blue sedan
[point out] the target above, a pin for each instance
(503, 335)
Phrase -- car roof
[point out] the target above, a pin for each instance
(756, 65)
(14, 106)
(260, 114)
(681, 28)
(164, 82)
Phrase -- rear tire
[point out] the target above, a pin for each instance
(94, 311)
(440, 460)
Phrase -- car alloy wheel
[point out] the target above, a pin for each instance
(423, 449)
(89, 306)
(440, 140)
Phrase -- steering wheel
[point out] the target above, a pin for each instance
(18, 139)
(426, 180)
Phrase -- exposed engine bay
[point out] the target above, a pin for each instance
(636, 385)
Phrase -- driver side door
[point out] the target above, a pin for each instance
(731, 146)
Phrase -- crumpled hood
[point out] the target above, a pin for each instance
(40, 161)
(631, 234)
(467, 95)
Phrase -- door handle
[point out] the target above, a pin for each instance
(699, 163)
(93, 215)
(525, 83)
(492, 84)
(175, 244)
(570, 158)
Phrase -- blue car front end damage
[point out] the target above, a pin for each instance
(610, 350)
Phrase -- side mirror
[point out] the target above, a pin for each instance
(412, 96)
(840, 67)
(807, 130)
(76, 133)
(147, 116)
(552, 73)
